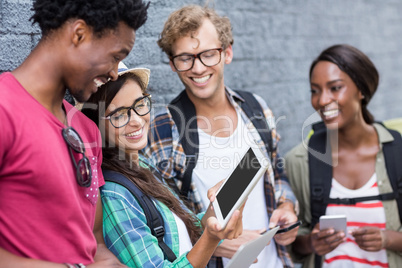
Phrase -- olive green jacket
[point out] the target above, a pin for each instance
(296, 162)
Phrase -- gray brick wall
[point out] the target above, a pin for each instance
(275, 42)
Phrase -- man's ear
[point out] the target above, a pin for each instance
(80, 31)
(228, 54)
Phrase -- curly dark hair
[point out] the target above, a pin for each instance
(101, 15)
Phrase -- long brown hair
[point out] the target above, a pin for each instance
(142, 177)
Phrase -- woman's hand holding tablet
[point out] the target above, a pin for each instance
(234, 191)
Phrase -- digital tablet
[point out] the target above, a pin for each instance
(234, 191)
(338, 222)
(247, 253)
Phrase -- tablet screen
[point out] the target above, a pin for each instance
(238, 182)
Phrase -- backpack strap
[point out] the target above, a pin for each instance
(320, 170)
(184, 116)
(320, 176)
(393, 159)
(255, 113)
(353, 201)
(153, 216)
(183, 113)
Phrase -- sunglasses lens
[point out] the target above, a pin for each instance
(84, 172)
(83, 168)
(74, 140)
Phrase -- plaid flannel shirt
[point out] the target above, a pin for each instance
(166, 152)
(127, 234)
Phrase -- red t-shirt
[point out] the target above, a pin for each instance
(44, 213)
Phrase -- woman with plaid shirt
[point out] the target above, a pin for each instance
(122, 114)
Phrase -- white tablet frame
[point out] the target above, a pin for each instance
(247, 253)
(264, 163)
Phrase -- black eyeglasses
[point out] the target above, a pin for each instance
(83, 167)
(209, 58)
(121, 116)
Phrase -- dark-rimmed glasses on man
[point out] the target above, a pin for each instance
(185, 62)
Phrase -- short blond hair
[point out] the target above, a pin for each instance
(188, 20)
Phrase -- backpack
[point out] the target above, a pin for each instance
(154, 218)
(321, 175)
(183, 113)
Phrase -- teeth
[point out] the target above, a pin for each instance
(202, 79)
(135, 133)
(330, 113)
(98, 82)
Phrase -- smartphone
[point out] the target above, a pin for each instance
(234, 191)
(287, 227)
(338, 222)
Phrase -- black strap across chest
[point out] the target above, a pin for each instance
(154, 218)
(321, 173)
(184, 115)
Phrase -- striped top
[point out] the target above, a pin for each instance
(367, 213)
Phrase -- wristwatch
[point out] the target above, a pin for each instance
(76, 265)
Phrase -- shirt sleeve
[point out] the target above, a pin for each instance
(127, 234)
(163, 148)
(6, 135)
(283, 191)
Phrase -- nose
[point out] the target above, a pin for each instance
(113, 74)
(325, 98)
(198, 66)
(134, 119)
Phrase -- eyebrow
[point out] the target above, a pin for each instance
(328, 83)
(126, 107)
(192, 54)
(183, 54)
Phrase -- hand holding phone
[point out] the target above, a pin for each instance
(338, 222)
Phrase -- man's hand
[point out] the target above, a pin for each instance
(284, 214)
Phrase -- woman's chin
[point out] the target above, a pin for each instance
(136, 146)
(332, 125)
